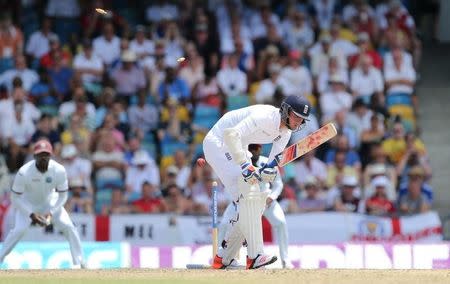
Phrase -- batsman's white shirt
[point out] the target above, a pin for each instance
(258, 124)
(39, 189)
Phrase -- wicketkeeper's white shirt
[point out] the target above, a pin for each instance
(39, 189)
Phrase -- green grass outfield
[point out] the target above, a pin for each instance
(132, 276)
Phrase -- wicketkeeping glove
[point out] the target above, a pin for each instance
(39, 219)
(250, 173)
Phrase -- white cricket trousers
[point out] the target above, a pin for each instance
(274, 214)
(60, 220)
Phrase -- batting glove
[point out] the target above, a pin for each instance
(250, 173)
(268, 174)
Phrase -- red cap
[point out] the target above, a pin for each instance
(43, 146)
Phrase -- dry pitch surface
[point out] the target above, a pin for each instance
(131, 276)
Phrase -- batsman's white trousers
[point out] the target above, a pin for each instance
(60, 220)
(274, 214)
(216, 154)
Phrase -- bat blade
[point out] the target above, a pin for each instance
(307, 144)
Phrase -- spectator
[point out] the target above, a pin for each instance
(143, 169)
(335, 100)
(78, 134)
(395, 145)
(77, 167)
(342, 145)
(269, 88)
(347, 200)
(313, 199)
(342, 127)
(400, 77)
(333, 69)
(176, 202)
(339, 169)
(202, 198)
(320, 54)
(60, 76)
(364, 45)
(19, 96)
(46, 129)
(150, 202)
(207, 91)
(143, 116)
(110, 126)
(366, 80)
(379, 204)
(38, 43)
(129, 79)
(310, 166)
(11, 37)
(118, 204)
(416, 197)
(161, 10)
(173, 87)
(359, 118)
(296, 79)
(232, 81)
(107, 46)
(55, 54)
(17, 132)
(88, 64)
(174, 43)
(174, 123)
(79, 101)
(193, 72)
(323, 12)
(298, 34)
(183, 168)
(28, 77)
(80, 201)
(140, 45)
(65, 15)
(43, 95)
(378, 164)
(373, 135)
(109, 165)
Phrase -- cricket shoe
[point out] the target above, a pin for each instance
(260, 261)
(218, 264)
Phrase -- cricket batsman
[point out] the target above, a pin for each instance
(32, 197)
(225, 148)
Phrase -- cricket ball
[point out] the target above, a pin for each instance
(201, 162)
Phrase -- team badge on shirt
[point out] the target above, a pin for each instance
(48, 179)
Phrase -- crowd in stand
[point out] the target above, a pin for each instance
(127, 95)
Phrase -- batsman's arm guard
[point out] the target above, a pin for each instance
(232, 139)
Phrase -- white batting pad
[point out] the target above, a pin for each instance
(251, 207)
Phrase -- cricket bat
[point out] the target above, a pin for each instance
(305, 145)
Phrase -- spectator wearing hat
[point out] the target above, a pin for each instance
(107, 46)
(150, 201)
(77, 167)
(169, 176)
(129, 78)
(336, 99)
(378, 164)
(27, 76)
(142, 169)
(415, 197)
(312, 199)
(295, 78)
(88, 64)
(366, 80)
(79, 201)
(347, 199)
(140, 45)
(379, 204)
